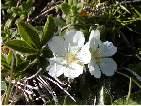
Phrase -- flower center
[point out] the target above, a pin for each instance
(71, 58)
(96, 56)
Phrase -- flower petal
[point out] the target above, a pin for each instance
(108, 66)
(94, 34)
(84, 55)
(94, 69)
(74, 40)
(79, 38)
(57, 46)
(56, 67)
(73, 70)
(94, 40)
(107, 49)
(56, 70)
(93, 45)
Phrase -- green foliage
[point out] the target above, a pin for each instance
(6, 66)
(21, 46)
(71, 10)
(48, 30)
(65, 8)
(29, 34)
(3, 86)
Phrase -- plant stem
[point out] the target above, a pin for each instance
(10, 86)
(101, 99)
(129, 92)
(8, 93)
(138, 84)
(64, 102)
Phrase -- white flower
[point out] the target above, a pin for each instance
(70, 54)
(100, 56)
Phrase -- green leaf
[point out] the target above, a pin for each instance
(80, 7)
(21, 46)
(4, 62)
(70, 2)
(8, 23)
(29, 34)
(29, 3)
(65, 8)
(48, 30)
(9, 59)
(3, 86)
(60, 22)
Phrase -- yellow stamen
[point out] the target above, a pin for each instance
(96, 56)
(71, 58)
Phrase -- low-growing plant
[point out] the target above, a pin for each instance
(86, 53)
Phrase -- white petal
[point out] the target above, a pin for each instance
(74, 38)
(56, 70)
(69, 35)
(94, 69)
(57, 45)
(94, 44)
(73, 70)
(58, 60)
(56, 67)
(107, 49)
(108, 66)
(94, 40)
(84, 55)
(94, 34)
(79, 38)
(73, 49)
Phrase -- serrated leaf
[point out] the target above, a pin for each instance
(8, 23)
(48, 30)
(21, 46)
(65, 8)
(29, 34)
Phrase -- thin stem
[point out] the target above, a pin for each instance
(132, 79)
(64, 103)
(11, 86)
(30, 64)
(101, 99)
(129, 91)
(8, 93)
(34, 74)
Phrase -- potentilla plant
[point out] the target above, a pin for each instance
(70, 55)
(38, 64)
